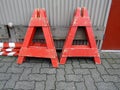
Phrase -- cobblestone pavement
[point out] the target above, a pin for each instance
(76, 74)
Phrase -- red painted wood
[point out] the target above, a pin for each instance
(48, 50)
(112, 35)
(90, 50)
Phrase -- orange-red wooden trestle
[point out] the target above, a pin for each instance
(81, 19)
(39, 19)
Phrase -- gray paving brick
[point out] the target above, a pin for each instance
(61, 66)
(40, 85)
(69, 71)
(2, 57)
(117, 54)
(109, 78)
(25, 74)
(5, 76)
(90, 66)
(50, 83)
(2, 83)
(102, 55)
(74, 78)
(1, 64)
(14, 69)
(81, 71)
(82, 60)
(37, 77)
(117, 85)
(65, 86)
(107, 55)
(25, 85)
(11, 82)
(117, 61)
(60, 75)
(68, 66)
(76, 63)
(8, 59)
(106, 64)
(101, 69)
(27, 65)
(113, 55)
(4, 67)
(116, 66)
(89, 82)
(45, 65)
(96, 75)
(69, 61)
(48, 70)
(106, 86)
(111, 61)
(114, 71)
(81, 86)
(36, 68)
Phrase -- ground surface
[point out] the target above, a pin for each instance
(76, 74)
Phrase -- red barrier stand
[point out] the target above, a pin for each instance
(81, 19)
(47, 50)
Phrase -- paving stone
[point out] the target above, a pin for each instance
(48, 70)
(106, 86)
(37, 77)
(102, 55)
(61, 66)
(109, 78)
(1, 64)
(36, 68)
(11, 82)
(8, 59)
(74, 78)
(4, 67)
(68, 66)
(116, 66)
(117, 85)
(40, 85)
(65, 86)
(96, 75)
(4, 76)
(25, 85)
(114, 71)
(107, 55)
(45, 65)
(69, 61)
(15, 70)
(69, 71)
(2, 57)
(50, 83)
(101, 69)
(60, 75)
(106, 64)
(117, 61)
(117, 54)
(81, 71)
(27, 65)
(90, 61)
(25, 74)
(89, 82)
(82, 60)
(90, 66)
(2, 83)
(81, 86)
(113, 55)
(111, 61)
(76, 63)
